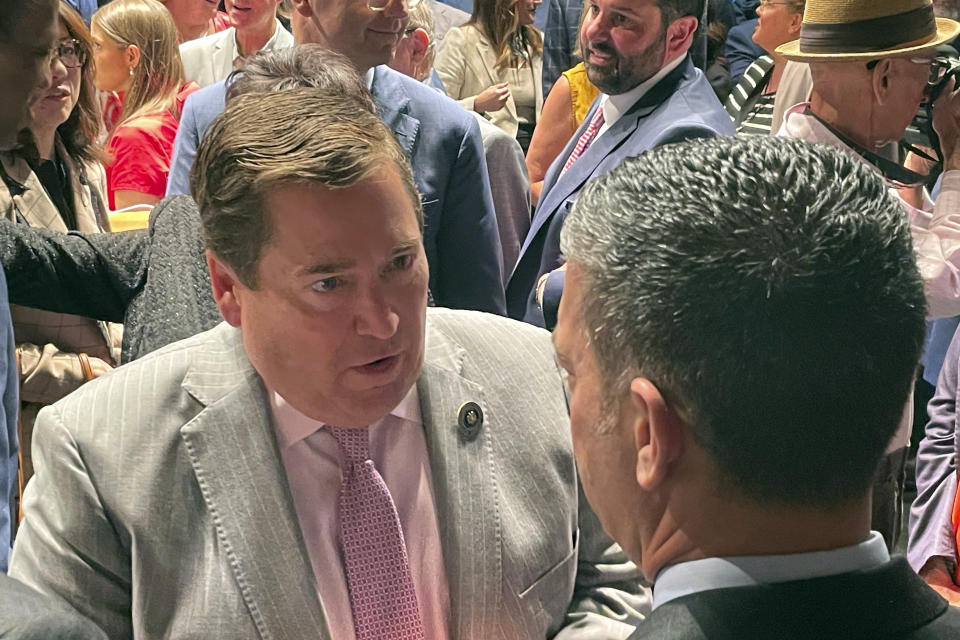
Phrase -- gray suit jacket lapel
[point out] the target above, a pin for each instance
(392, 101)
(237, 463)
(467, 507)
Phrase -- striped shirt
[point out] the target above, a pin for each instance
(750, 108)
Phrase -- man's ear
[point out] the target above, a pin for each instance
(226, 286)
(659, 433)
(679, 37)
(420, 42)
(881, 80)
(796, 21)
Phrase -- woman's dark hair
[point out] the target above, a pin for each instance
(81, 130)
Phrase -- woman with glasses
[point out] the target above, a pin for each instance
(751, 102)
(136, 55)
(55, 180)
(493, 63)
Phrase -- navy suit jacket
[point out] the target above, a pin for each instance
(9, 408)
(888, 602)
(741, 50)
(445, 150)
(681, 106)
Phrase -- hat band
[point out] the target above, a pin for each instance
(875, 34)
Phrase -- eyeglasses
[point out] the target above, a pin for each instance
(380, 5)
(772, 3)
(71, 53)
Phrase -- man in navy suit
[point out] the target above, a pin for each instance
(442, 141)
(635, 51)
(730, 399)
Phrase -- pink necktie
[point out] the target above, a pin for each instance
(585, 139)
(382, 596)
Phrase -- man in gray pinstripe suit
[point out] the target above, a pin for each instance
(173, 497)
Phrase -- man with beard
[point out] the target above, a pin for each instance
(636, 52)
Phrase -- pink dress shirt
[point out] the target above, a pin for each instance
(398, 448)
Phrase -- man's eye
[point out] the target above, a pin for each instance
(402, 263)
(325, 285)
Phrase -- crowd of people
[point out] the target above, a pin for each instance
(616, 319)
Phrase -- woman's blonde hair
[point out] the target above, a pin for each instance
(158, 76)
(500, 22)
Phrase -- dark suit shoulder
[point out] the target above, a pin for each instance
(888, 602)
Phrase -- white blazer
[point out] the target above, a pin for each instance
(467, 65)
(211, 59)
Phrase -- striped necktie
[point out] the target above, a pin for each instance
(585, 139)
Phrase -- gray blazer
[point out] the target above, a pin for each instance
(160, 507)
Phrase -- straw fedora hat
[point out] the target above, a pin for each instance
(867, 29)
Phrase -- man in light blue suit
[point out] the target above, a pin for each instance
(441, 140)
(652, 95)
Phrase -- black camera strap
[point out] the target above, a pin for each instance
(890, 170)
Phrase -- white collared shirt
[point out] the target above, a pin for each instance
(368, 79)
(686, 578)
(615, 106)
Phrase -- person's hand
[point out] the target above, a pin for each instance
(542, 282)
(492, 98)
(936, 574)
(946, 122)
(99, 367)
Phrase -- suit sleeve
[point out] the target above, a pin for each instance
(8, 428)
(67, 547)
(184, 151)
(469, 243)
(931, 530)
(93, 275)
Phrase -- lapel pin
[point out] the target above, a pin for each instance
(470, 419)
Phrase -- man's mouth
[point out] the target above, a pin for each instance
(382, 365)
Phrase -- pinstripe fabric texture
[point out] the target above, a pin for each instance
(160, 507)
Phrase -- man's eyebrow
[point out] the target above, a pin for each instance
(406, 246)
(324, 267)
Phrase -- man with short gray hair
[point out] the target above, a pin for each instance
(731, 399)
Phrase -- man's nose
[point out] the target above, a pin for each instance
(397, 9)
(375, 316)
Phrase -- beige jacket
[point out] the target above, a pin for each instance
(467, 64)
(47, 342)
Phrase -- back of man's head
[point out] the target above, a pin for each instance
(768, 289)
(304, 65)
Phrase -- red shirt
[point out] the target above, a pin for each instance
(141, 149)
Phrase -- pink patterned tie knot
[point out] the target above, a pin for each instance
(382, 596)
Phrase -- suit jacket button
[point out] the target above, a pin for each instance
(469, 420)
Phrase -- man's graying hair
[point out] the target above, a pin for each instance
(305, 65)
(768, 288)
(264, 141)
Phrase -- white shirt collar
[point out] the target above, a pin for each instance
(615, 106)
(368, 79)
(685, 578)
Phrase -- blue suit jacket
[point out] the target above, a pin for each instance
(8, 425)
(680, 106)
(741, 50)
(445, 149)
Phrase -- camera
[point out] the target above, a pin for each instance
(920, 133)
